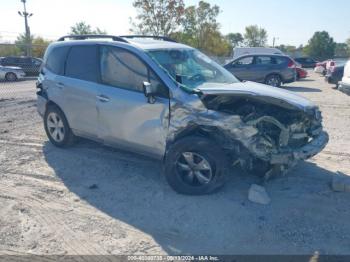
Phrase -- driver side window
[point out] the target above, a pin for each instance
(122, 69)
(244, 61)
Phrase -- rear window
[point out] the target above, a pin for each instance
(56, 59)
(82, 63)
(25, 60)
(280, 60)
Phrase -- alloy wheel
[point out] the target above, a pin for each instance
(194, 169)
(55, 126)
(273, 81)
(11, 77)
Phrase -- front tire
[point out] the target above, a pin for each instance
(195, 166)
(57, 128)
(273, 80)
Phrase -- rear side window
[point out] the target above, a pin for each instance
(82, 63)
(264, 60)
(56, 59)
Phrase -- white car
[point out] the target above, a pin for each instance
(344, 85)
(11, 73)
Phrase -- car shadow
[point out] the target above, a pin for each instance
(302, 89)
(131, 189)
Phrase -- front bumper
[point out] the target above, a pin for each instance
(309, 150)
(41, 103)
(330, 79)
(344, 87)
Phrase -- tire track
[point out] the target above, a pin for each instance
(52, 222)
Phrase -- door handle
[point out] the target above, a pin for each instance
(102, 98)
(60, 85)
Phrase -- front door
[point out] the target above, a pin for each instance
(125, 116)
(242, 68)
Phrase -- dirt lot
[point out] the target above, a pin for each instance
(90, 199)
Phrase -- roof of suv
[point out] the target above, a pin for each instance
(146, 43)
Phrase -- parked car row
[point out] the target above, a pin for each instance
(12, 65)
(344, 84)
(10, 73)
(306, 62)
(335, 75)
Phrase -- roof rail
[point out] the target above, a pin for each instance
(84, 37)
(164, 38)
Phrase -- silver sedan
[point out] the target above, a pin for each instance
(11, 73)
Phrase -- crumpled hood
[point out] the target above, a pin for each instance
(257, 90)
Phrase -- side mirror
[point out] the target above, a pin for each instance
(149, 92)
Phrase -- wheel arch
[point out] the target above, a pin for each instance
(51, 103)
(274, 73)
(209, 132)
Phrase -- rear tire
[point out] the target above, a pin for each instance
(11, 77)
(57, 128)
(273, 80)
(195, 166)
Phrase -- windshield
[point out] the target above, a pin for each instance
(190, 68)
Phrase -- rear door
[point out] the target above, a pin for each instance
(77, 89)
(263, 66)
(242, 68)
(125, 117)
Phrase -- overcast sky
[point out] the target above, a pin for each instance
(291, 21)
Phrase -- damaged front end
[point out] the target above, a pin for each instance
(266, 133)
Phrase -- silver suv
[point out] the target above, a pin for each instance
(169, 101)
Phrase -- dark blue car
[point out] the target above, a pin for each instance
(273, 70)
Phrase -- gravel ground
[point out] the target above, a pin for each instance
(90, 199)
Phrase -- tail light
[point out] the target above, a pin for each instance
(291, 64)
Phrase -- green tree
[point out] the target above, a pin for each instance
(39, 45)
(201, 30)
(255, 36)
(158, 17)
(288, 49)
(21, 42)
(82, 28)
(236, 39)
(348, 44)
(9, 50)
(321, 46)
(341, 50)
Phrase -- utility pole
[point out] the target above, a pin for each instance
(274, 41)
(28, 41)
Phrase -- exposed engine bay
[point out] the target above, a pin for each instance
(262, 134)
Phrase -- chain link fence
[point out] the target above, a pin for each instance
(18, 72)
